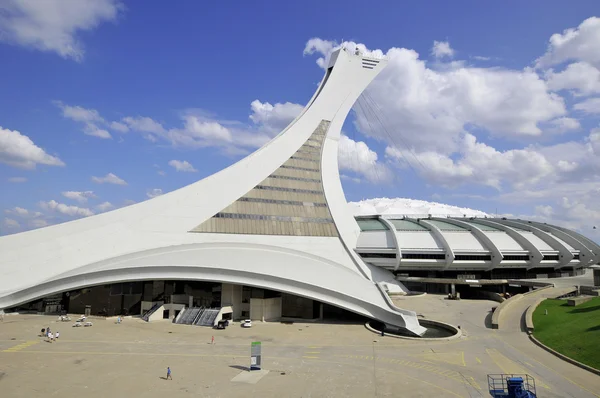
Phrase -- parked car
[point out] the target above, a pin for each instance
(247, 323)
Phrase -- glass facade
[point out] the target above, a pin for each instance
(290, 201)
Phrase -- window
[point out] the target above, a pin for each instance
(512, 257)
(371, 224)
(377, 255)
(472, 257)
(423, 256)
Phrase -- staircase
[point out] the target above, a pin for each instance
(152, 310)
(207, 317)
(189, 316)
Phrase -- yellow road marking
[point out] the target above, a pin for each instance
(453, 358)
(554, 371)
(312, 352)
(478, 360)
(21, 346)
(304, 356)
(451, 374)
(528, 364)
(511, 367)
(235, 356)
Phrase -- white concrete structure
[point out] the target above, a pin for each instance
(277, 219)
(412, 243)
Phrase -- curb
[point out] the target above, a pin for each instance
(529, 314)
(423, 322)
(498, 312)
(564, 357)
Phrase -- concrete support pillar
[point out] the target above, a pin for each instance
(503, 288)
(321, 312)
(453, 289)
(190, 301)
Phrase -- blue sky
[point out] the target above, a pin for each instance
(479, 106)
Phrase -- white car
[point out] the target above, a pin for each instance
(247, 323)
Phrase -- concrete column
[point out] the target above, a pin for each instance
(453, 289)
(321, 311)
(503, 288)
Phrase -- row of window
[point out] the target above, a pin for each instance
(298, 168)
(282, 189)
(471, 257)
(458, 257)
(283, 202)
(295, 178)
(550, 257)
(512, 257)
(262, 217)
(308, 153)
(311, 148)
(305, 159)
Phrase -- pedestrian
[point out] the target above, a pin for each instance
(47, 331)
(43, 332)
(169, 374)
(57, 334)
(50, 337)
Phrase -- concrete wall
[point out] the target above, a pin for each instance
(231, 295)
(158, 314)
(266, 309)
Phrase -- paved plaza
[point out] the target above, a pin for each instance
(303, 359)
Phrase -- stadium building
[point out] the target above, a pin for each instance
(270, 237)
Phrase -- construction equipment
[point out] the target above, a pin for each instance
(511, 386)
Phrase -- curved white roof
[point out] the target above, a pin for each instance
(213, 229)
(477, 242)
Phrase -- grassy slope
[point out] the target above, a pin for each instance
(572, 331)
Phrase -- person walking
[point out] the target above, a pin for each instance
(57, 334)
(50, 337)
(169, 374)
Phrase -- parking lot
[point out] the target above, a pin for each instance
(303, 360)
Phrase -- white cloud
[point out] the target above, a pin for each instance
(95, 131)
(144, 125)
(563, 125)
(182, 165)
(442, 49)
(478, 163)
(73, 211)
(110, 178)
(579, 43)
(38, 223)
(18, 150)
(589, 106)
(273, 118)
(481, 58)
(153, 193)
(22, 212)
(17, 179)
(9, 223)
(91, 120)
(430, 108)
(79, 114)
(79, 196)
(581, 77)
(357, 157)
(54, 25)
(104, 206)
(120, 127)
(161, 173)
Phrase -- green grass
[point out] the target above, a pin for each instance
(572, 331)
